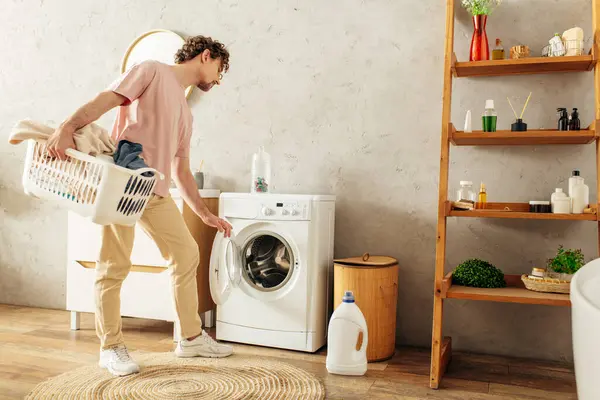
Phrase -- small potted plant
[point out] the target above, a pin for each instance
(565, 264)
(480, 9)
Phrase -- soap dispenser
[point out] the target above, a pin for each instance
(575, 123)
(563, 120)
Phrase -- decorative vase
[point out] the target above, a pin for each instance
(480, 49)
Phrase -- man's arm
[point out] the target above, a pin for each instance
(189, 191)
(62, 138)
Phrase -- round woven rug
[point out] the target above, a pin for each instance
(164, 376)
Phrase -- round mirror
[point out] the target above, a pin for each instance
(158, 44)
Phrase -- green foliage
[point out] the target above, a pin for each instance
(480, 7)
(566, 261)
(478, 273)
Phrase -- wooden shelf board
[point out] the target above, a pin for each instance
(509, 138)
(531, 65)
(515, 292)
(521, 215)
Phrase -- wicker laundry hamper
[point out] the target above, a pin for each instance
(374, 282)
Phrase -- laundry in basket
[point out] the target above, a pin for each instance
(92, 186)
(92, 139)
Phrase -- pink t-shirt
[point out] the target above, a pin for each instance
(156, 115)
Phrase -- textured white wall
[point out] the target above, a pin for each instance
(346, 96)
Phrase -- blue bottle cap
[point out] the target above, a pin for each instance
(348, 297)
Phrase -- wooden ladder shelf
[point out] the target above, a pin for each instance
(515, 292)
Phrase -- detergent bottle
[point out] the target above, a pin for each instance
(347, 339)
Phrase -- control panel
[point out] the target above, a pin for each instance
(275, 209)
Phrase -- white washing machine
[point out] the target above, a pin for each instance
(272, 279)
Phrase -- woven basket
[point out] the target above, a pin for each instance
(519, 52)
(547, 285)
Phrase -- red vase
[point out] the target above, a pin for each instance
(480, 49)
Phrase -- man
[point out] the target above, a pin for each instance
(153, 111)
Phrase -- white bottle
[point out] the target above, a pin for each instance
(345, 327)
(562, 205)
(261, 172)
(581, 196)
(572, 181)
(468, 122)
(557, 195)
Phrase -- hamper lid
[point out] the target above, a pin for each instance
(367, 260)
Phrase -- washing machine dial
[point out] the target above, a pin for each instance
(266, 211)
(295, 212)
(284, 212)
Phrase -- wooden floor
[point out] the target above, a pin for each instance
(36, 344)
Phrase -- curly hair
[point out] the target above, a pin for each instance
(195, 45)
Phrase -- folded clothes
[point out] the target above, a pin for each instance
(128, 155)
(91, 139)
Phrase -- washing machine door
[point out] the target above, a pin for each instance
(225, 270)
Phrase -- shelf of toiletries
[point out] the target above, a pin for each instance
(514, 292)
(523, 66)
(568, 129)
(527, 138)
(574, 204)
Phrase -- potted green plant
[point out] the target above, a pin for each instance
(565, 264)
(478, 273)
(480, 9)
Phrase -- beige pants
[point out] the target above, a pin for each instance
(164, 223)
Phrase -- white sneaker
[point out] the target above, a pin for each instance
(117, 361)
(202, 346)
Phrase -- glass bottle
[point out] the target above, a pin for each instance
(261, 172)
(465, 194)
(490, 117)
(482, 198)
(498, 52)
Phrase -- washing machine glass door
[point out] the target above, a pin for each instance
(225, 267)
(267, 261)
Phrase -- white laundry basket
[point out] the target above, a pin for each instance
(93, 187)
(585, 298)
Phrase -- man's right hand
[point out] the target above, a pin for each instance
(62, 138)
(59, 142)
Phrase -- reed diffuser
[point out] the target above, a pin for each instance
(519, 125)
